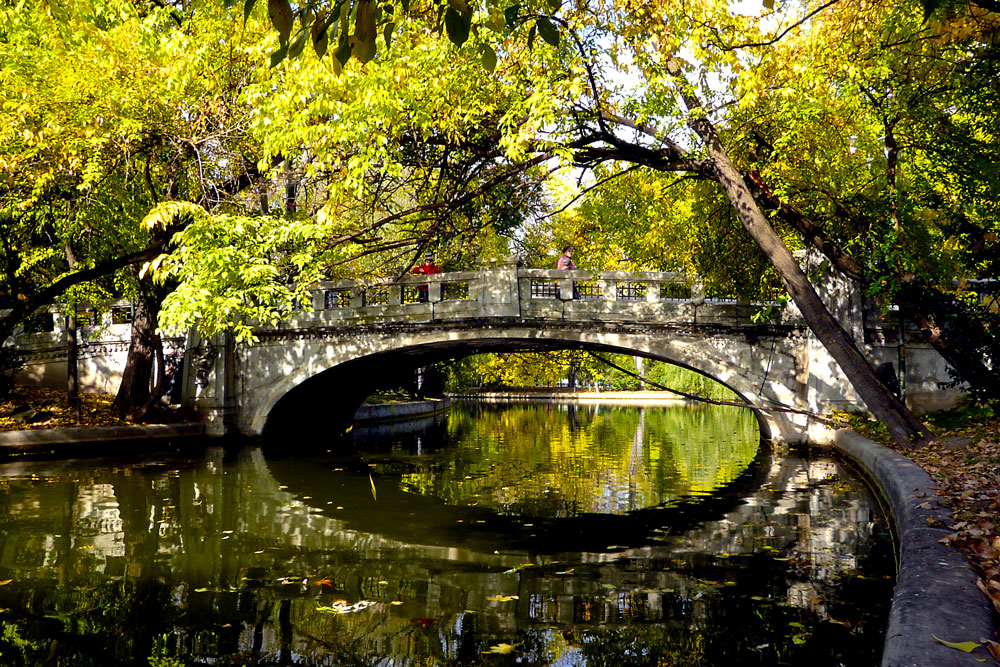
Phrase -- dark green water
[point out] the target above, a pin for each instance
(532, 535)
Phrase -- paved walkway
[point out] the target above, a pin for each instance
(68, 441)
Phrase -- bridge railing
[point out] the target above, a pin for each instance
(506, 290)
(618, 286)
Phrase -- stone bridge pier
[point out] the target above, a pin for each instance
(317, 367)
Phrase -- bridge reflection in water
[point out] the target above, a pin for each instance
(566, 537)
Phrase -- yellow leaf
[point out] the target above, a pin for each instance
(5, 582)
(503, 649)
(968, 647)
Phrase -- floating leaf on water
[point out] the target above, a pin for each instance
(503, 649)
(396, 603)
(501, 598)
(5, 582)
(343, 607)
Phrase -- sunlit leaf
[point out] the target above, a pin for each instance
(502, 649)
(968, 647)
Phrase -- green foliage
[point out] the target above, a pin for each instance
(554, 369)
(237, 271)
(321, 20)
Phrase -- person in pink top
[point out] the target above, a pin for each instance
(565, 262)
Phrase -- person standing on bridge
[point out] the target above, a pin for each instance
(427, 268)
(565, 261)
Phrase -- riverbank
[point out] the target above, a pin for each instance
(580, 397)
(42, 408)
(963, 466)
(937, 615)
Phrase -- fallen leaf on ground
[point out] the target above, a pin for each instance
(968, 647)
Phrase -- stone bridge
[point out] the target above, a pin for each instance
(314, 369)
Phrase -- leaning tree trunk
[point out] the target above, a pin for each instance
(903, 426)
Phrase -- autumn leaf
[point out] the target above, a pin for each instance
(502, 649)
(968, 647)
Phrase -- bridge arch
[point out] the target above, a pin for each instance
(331, 376)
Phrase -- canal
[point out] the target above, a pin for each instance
(530, 534)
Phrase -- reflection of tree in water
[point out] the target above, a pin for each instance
(546, 460)
(214, 562)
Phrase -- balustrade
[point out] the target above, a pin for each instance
(509, 291)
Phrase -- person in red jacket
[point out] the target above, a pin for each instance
(426, 269)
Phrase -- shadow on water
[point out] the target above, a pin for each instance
(476, 528)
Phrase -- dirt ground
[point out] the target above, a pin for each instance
(40, 407)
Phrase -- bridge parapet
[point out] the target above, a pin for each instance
(507, 290)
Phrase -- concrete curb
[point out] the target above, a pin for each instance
(65, 440)
(397, 411)
(936, 592)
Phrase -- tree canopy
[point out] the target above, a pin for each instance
(710, 137)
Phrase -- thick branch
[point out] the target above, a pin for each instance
(22, 309)
(812, 233)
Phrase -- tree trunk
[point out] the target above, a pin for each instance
(136, 394)
(72, 365)
(903, 426)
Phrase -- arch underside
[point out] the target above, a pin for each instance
(330, 376)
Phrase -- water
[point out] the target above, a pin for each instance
(533, 535)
